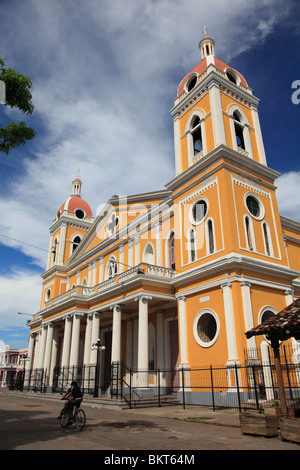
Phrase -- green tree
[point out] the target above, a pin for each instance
(18, 95)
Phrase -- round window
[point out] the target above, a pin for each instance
(199, 211)
(254, 206)
(79, 213)
(191, 83)
(206, 328)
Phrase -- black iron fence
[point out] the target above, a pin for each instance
(253, 385)
(86, 376)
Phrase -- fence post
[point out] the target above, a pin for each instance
(182, 381)
(255, 390)
(158, 383)
(288, 373)
(212, 387)
(237, 386)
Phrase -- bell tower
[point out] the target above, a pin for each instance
(71, 222)
(215, 106)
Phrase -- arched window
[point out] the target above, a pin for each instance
(196, 135)
(76, 242)
(267, 239)
(249, 233)
(210, 243)
(170, 251)
(148, 254)
(191, 245)
(54, 250)
(239, 131)
(112, 268)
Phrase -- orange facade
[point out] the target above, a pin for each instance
(210, 252)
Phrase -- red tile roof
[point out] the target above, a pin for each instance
(76, 202)
(284, 325)
(202, 66)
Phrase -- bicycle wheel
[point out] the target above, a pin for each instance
(65, 417)
(80, 419)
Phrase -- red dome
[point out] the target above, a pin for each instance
(76, 202)
(202, 66)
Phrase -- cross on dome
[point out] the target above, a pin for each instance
(205, 31)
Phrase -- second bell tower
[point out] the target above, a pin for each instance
(215, 106)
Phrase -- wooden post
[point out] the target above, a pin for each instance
(275, 346)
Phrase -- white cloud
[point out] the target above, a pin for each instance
(20, 291)
(288, 195)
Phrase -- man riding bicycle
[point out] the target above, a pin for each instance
(73, 395)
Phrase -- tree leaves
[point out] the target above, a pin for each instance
(18, 95)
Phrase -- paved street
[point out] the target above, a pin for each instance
(30, 423)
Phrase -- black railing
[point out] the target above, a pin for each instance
(85, 376)
(251, 386)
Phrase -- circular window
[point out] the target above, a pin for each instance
(79, 213)
(48, 294)
(199, 211)
(191, 83)
(206, 328)
(254, 206)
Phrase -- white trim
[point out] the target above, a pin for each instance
(191, 217)
(261, 206)
(201, 343)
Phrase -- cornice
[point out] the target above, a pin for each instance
(222, 152)
(214, 79)
(231, 262)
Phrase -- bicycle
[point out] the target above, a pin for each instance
(77, 415)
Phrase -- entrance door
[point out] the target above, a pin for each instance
(107, 359)
(174, 352)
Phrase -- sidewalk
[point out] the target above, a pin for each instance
(220, 417)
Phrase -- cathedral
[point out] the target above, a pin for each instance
(173, 278)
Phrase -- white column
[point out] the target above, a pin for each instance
(177, 145)
(129, 343)
(29, 363)
(95, 336)
(88, 340)
(89, 282)
(143, 332)
(48, 350)
(289, 298)
(229, 321)
(67, 341)
(137, 250)
(54, 350)
(130, 253)
(116, 334)
(258, 134)
(158, 245)
(217, 115)
(42, 345)
(101, 269)
(62, 242)
(121, 259)
(94, 273)
(248, 315)
(184, 361)
(74, 355)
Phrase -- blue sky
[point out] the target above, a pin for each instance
(105, 73)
